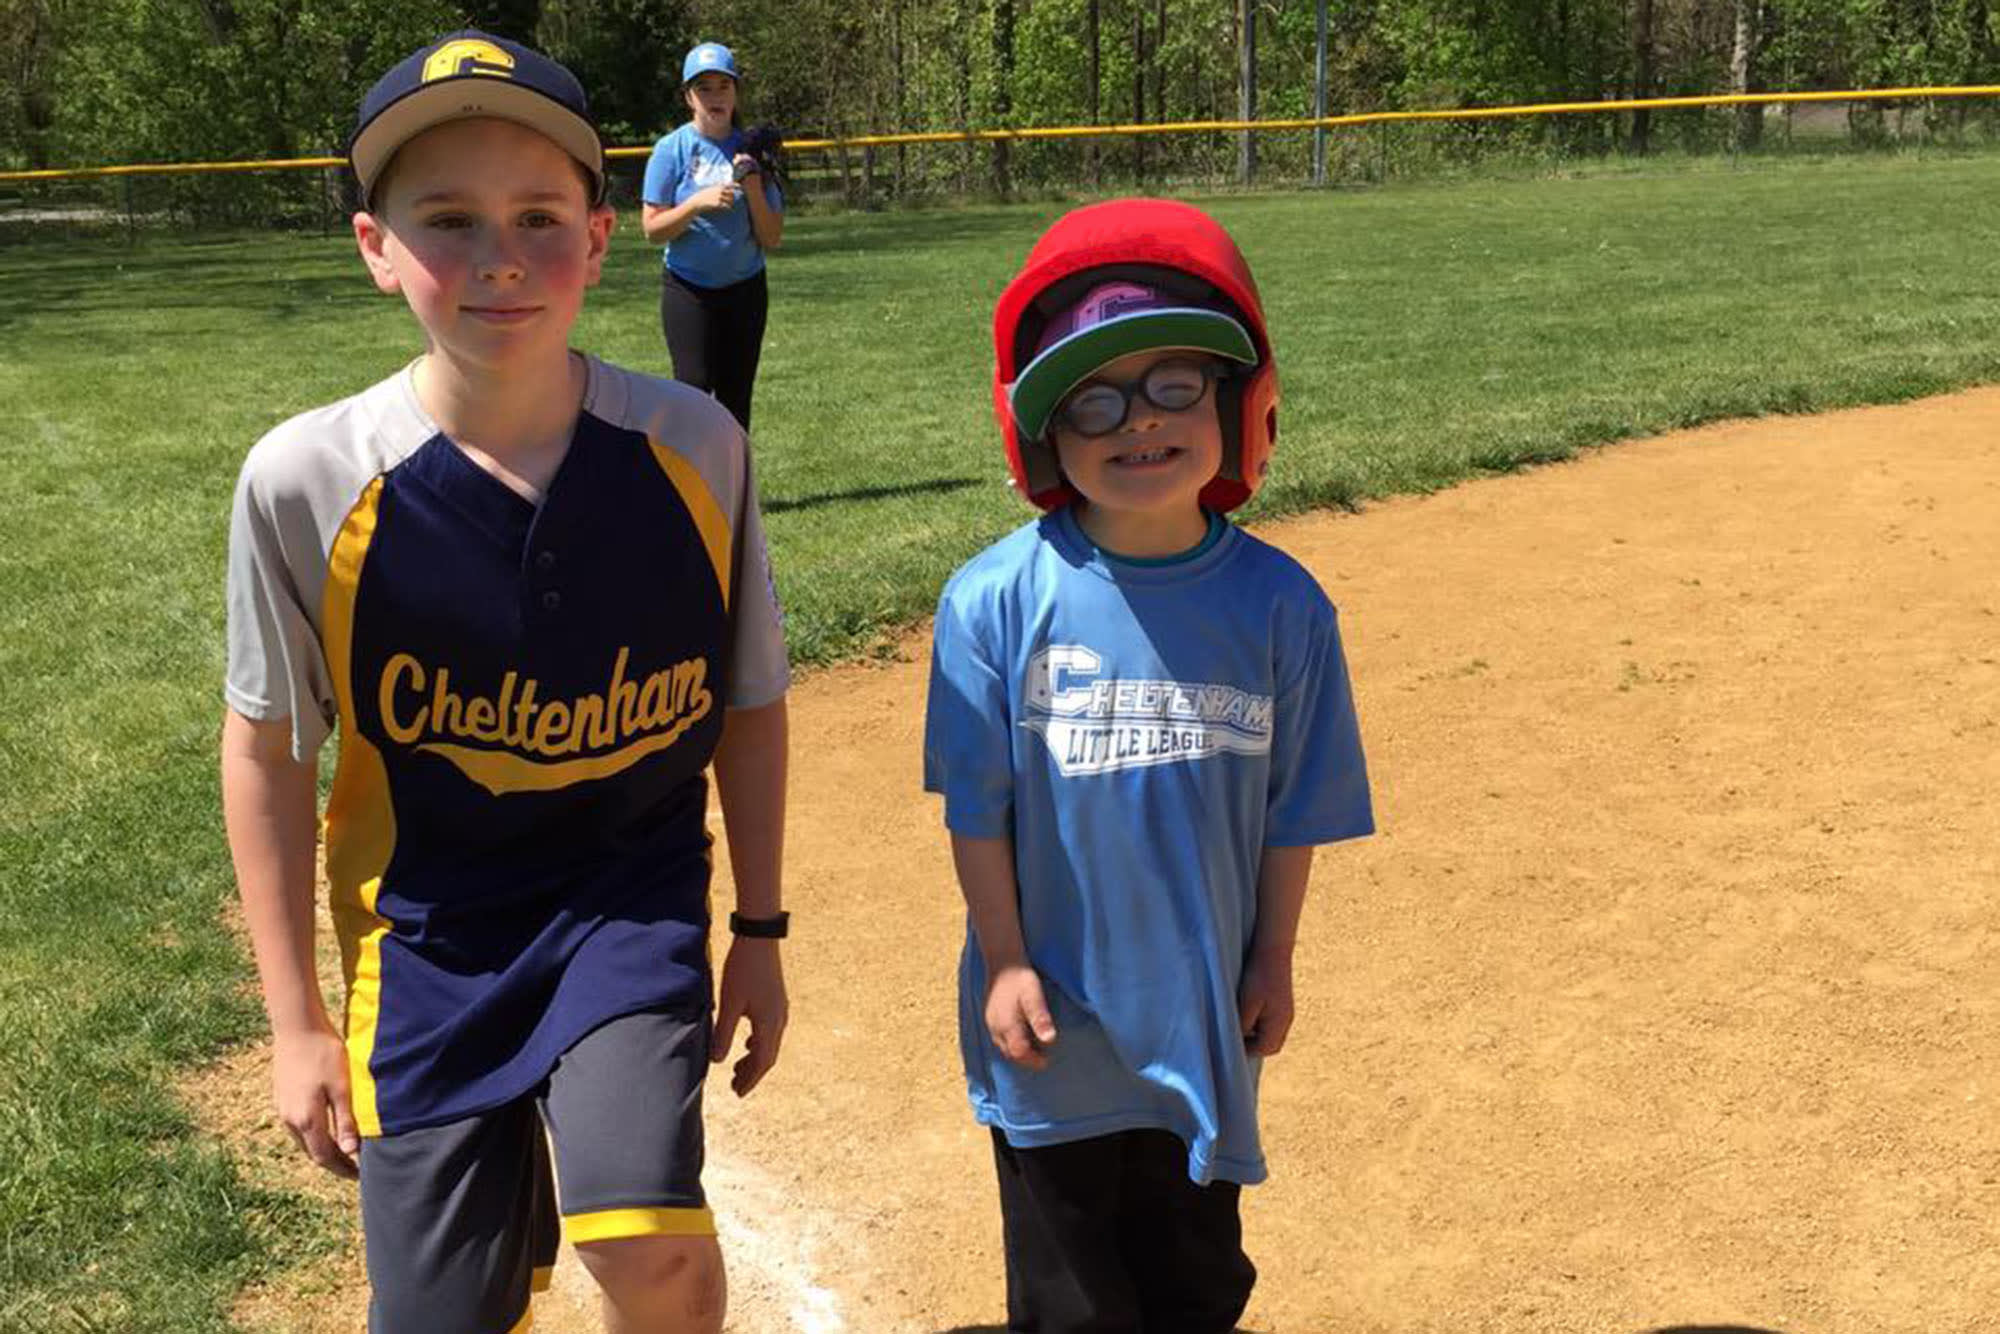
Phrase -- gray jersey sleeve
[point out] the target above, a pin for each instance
(276, 667)
(760, 672)
(297, 487)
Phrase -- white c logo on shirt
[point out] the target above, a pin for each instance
(1059, 678)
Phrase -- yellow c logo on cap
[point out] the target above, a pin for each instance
(468, 56)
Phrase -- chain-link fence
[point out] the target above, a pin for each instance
(1159, 159)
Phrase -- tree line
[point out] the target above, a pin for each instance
(106, 81)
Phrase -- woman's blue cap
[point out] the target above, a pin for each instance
(709, 58)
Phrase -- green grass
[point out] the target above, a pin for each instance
(1426, 334)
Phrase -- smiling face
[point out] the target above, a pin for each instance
(485, 228)
(1146, 475)
(712, 99)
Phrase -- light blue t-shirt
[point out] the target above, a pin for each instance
(1142, 732)
(717, 249)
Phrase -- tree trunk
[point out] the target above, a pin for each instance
(1558, 73)
(1319, 93)
(964, 91)
(1642, 75)
(896, 58)
(1246, 89)
(1003, 95)
(1978, 18)
(1094, 75)
(1744, 76)
(872, 125)
(36, 92)
(1139, 58)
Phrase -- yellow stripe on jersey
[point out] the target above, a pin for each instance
(614, 1224)
(360, 823)
(701, 503)
(544, 1275)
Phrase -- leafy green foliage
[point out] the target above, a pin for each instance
(94, 81)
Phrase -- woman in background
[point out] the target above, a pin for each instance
(717, 210)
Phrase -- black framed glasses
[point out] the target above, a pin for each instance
(1100, 407)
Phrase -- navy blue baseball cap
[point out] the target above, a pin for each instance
(468, 74)
(709, 58)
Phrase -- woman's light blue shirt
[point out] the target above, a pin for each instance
(717, 249)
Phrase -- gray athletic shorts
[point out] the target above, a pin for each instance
(461, 1219)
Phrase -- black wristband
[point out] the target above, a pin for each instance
(761, 928)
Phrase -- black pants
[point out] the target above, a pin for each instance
(1108, 1236)
(715, 335)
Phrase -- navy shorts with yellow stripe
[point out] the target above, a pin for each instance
(461, 1220)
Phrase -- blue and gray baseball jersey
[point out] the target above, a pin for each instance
(527, 696)
(1141, 732)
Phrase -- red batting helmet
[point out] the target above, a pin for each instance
(1171, 248)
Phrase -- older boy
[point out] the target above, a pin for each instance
(530, 590)
(1141, 725)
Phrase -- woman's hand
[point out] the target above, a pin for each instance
(716, 198)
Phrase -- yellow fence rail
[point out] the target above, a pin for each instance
(794, 146)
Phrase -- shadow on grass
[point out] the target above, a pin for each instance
(282, 275)
(870, 493)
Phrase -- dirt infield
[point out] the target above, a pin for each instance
(1667, 995)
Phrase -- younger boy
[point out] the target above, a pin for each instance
(530, 589)
(1140, 723)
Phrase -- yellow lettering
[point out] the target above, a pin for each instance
(630, 718)
(655, 702)
(499, 730)
(690, 680)
(524, 714)
(447, 709)
(588, 725)
(551, 726)
(624, 700)
(399, 666)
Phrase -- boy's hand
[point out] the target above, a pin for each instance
(1017, 1016)
(1264, 1001)
(309, 1079)
(753, 987)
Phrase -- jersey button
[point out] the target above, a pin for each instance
(545, 560)
(551, 600)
